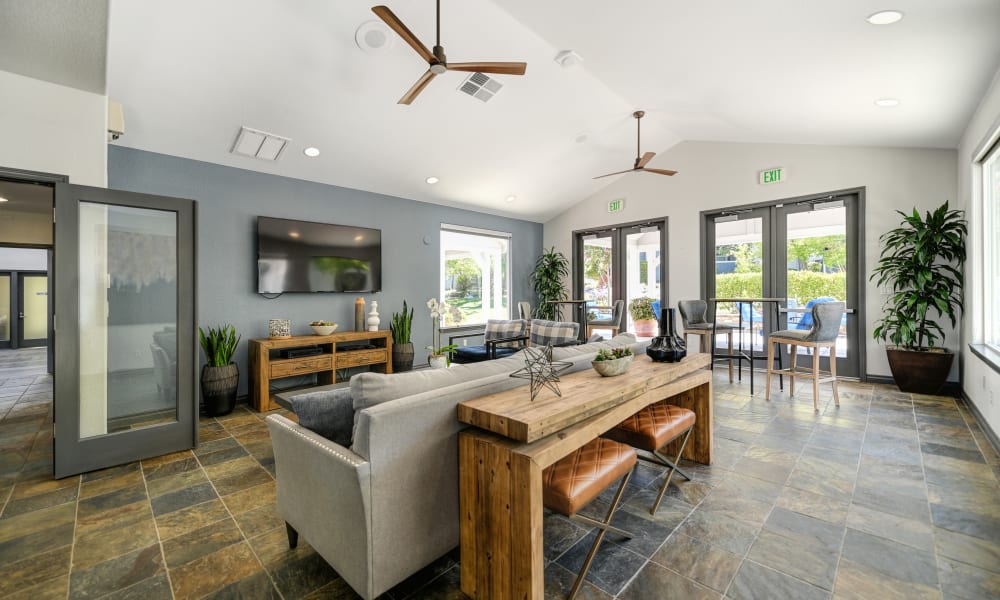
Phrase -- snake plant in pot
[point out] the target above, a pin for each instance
(220, 377)
(402, 346)
(921, 268)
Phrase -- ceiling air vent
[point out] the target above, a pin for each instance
(259, 144)
(480, 86)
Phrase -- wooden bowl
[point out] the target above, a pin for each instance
(324, 329)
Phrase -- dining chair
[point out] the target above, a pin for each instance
(614, 322)
(694, 321)
(826, 317)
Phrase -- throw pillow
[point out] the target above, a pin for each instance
(328, 413)
(553, 333)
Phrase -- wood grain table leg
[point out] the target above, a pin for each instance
(699, 447)
(500, 495)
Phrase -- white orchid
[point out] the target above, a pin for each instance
(439, 313)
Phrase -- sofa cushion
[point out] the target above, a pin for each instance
(329, 413)
(571, 352)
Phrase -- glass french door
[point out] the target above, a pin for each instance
(125, 385)
(805, 250)
(622, 262)
(5, 310)
(33, 310)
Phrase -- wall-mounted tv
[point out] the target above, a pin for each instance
(302, 256)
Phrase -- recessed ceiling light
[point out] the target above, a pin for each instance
(887, 102)
(511, 198)
(311, 152)
(2, 199)
(358, 238)
(432, 180)
(293, 234)
(885, 17)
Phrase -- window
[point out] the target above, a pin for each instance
(991, 246)
(475, 275)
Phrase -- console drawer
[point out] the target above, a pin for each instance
(356, 358)
(299, 366)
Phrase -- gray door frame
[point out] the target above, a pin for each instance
(75, 455)
(776, 278)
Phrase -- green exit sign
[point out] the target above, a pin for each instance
(774, 175)
(616, 205)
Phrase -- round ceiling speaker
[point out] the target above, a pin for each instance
(373, 36)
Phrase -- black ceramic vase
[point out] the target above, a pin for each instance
(668, 346)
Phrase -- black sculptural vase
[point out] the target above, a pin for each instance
(668, 346)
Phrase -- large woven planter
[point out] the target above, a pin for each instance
(920, 372)
(218, 389)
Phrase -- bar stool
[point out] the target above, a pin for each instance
(826, 317)
(575, 480)
(693, 319)
(652, 428)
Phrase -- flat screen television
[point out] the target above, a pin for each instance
(302, 256)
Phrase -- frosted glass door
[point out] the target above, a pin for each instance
(34, 310)
(4, 311)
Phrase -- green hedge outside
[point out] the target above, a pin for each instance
(803, 285)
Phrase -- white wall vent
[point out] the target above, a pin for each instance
(480, 86)
(259, 144)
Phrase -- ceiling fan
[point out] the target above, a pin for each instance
(640, 161)
(436, 61)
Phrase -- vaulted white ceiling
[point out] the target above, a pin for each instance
(191, 72)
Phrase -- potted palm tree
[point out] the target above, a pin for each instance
(921, 266)
(551, 269)
(401, 327)
(220, 377)
(641, 311)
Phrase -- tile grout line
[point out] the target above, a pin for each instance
(975, 439)
(72, 549)
(156, 527)
(230, 513)
(930, 513)
(854, 489)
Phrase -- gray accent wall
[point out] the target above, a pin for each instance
(229, 201)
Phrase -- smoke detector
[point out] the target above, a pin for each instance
(568, 58)
(259, 144)
(480, 86)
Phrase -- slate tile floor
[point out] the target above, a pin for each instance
(890, 496)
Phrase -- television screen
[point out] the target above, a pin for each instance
(302, 256)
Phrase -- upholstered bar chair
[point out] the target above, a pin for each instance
(614, 323)
(693, 319)
(524, 310)
(575, 480)
(826, 317)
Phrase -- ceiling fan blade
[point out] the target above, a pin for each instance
(615, 173)
(645, 159)
(393, 22)
(661, 171)
(418, 87)
(501, 68)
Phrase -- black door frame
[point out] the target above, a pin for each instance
(618, 234)
(773, 236)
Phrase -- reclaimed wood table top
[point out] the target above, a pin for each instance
(584, 394)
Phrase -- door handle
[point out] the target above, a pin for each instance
(20, 315)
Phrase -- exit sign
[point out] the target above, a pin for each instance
(774, 175)
(616, 205)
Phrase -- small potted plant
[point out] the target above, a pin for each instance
(610, 363)
(220, 377)
(641, 311)
(402, 346)
(921, 268)
(440, 356)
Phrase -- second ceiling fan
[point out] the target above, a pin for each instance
(640, 161)
(436, 61)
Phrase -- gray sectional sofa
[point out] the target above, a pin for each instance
(383, 502)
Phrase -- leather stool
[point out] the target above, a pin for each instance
(576, 479)
(651, 429)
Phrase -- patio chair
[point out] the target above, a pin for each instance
(613, 322)
(502, 338)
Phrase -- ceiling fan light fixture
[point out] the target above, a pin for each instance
(432, 180)
(885, 17)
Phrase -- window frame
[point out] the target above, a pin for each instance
(991, 247)
(508, 283)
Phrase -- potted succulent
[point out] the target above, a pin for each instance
(612, 362)
(551, 269)
(402, 346)
(641, 311)
(220, 377)
(921, 266)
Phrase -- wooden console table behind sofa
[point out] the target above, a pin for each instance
(264, 367)
(501, 459)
